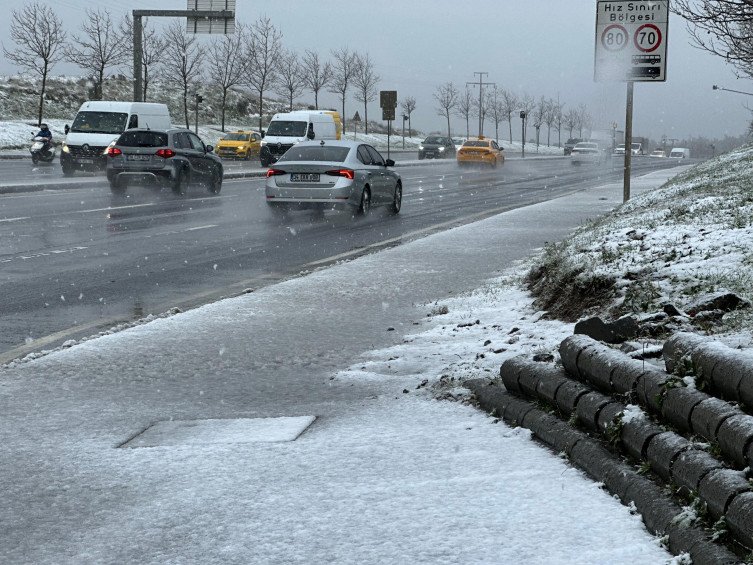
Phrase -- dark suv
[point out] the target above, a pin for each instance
(570, 143)
(175, 157)
(436, 147)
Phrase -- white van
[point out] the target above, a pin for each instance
(285, 130)
(100, 122)
(679, 153)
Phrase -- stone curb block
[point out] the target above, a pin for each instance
(509, 372)
(590, 456)
(589, 407)
(740, 518)
(636, 436)
(662, 451)
(678, 406)
(650, 388)
(708, 416)
(735, 436)
(689, 469)
(567, 396)
(719, 488)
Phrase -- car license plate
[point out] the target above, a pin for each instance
(86, 161)
(473, 153)
(304, 177)
(137, 157)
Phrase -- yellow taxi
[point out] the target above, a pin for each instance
(239, 145)
(480, 150)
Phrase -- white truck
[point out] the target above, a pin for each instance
(287, 129)
(679, 153)
(100, 122)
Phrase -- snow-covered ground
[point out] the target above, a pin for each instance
(410, 474)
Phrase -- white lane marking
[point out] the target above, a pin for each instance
(42, 254)
(15, 219)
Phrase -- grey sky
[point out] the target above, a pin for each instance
(538, 47)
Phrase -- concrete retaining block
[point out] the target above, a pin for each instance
(528, 378)
(567, 396)
(657, 511)
(690, 467)
(509, 372)
(740, 518)
(726, 377)
(589, 406)
(609, 414)
(490, 397)
(678, 406)
(662, 451)
(570, 348)
(719, 487)
(515, 410)
(550, 380)
(595, 364)
(636, 436)
(625, 375)
(698, 544)
(735, 436)
(745, 390)
(678, 346)
(708, 415)
(650, 389)
(594, 459)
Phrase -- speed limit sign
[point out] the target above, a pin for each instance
(631, 40)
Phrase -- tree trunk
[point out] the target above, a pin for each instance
(41, 95)
(448, 125)
(261, 109)
(343, 117)
(185, 107)
(366, 118)
(224, 103)
(509, 121)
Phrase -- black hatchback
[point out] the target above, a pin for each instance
(436, 147)
(176, 158)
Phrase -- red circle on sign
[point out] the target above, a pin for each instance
(617, 46)
(658, 38)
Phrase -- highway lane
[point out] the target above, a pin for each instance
(78, 261)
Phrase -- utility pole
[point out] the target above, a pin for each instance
(481, 84)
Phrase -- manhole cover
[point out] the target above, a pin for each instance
(213, 432)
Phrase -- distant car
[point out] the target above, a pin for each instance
(458, 142)
(175, 158)
(620, 149)
(333, 174)
(586, 152)
(436, 147)
(570, 143)
(239, 145)
(481, 150)
(657, 153)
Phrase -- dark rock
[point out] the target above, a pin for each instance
(543, 358)
(615, 332)
(672, 310)
(725, 301)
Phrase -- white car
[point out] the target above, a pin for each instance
(458, 141)
(586, 152)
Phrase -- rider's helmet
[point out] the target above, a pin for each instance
(43, 127)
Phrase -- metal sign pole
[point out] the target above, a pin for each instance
(628, 142)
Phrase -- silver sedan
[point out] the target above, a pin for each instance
(331, 174)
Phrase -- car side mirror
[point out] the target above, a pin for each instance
(67, 129)
(389, 163)
(210, 148)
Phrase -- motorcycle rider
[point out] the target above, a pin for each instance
(45, 132)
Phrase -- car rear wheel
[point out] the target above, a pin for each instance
(397, 200)
(181, 182)
(365, 205)
(117, 186)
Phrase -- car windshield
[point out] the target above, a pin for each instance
(287, 128)
(476, 143)
(99, 122)
(237, 137)
(434, 140)
(330, 153)
(142, 139)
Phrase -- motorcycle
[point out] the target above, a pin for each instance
(42, 149)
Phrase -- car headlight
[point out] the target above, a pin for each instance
(65, 148)
(420, 147)
(441, 149)
(263, 143)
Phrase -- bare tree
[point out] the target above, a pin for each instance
(584, 119)
(38, 34)
(550, 116)
(263, 53)
(152, 50)
(343, 68)
(408, 105)
(100, 47)
(447, 98)
(479, 109)
(510, 104)
(571, 120)
(290, 82)
(365, 82)
(226, 64)
(182, 63)
(496, 108)
(538, 115)
(465, 109)
(527, 103)
(721, 27)
(559, 112)
(316, 75)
